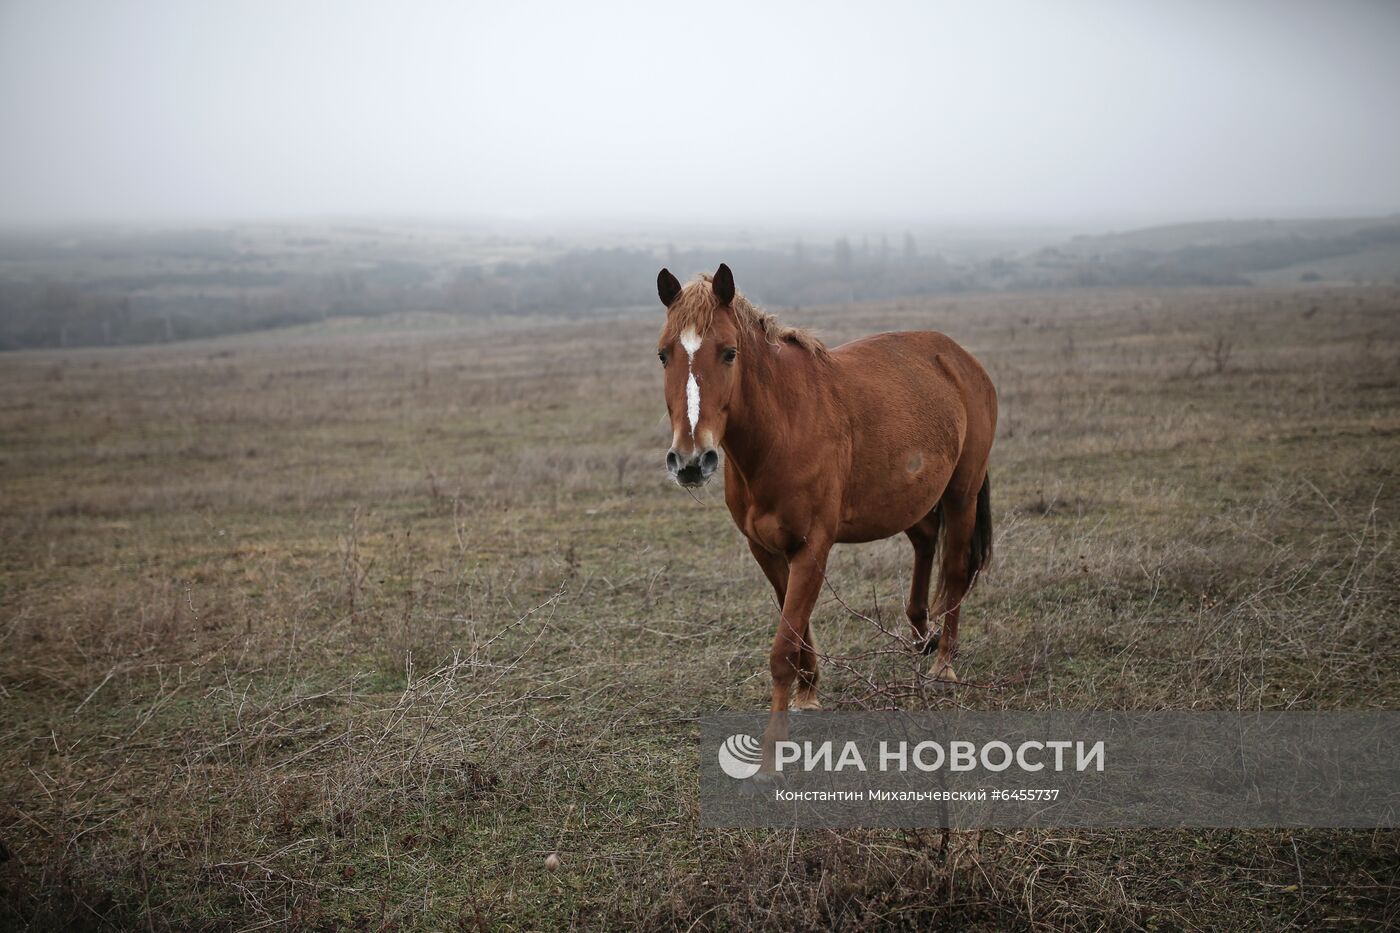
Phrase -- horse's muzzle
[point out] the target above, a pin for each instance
(693, 469)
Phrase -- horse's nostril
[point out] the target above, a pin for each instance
(708, 461)
(673, 462)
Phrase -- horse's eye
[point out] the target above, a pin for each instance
(730, 354)
(661, 355)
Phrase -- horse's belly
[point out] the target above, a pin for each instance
(884, 505)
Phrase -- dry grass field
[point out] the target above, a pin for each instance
(350, 627)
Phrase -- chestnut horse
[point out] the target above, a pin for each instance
(888, 433)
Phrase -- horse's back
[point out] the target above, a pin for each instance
(911, 348)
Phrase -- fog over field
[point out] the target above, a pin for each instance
(173, 171)
(1082, 115)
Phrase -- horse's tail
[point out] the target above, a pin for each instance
(981, 552)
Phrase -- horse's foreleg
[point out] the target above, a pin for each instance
(775, 568)
(805, 695)
(793, 660)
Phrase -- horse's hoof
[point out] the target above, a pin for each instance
(930, 644)
(944, 673)
(755, 790)
(765, 780)
(806, 703)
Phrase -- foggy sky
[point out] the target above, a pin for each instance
(1063, 112)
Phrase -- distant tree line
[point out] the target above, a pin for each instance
(153, 305)
(185, 287)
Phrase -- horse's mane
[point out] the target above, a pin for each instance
(695, 307)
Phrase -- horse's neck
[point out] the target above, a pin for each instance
(782, 397)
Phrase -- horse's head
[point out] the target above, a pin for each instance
(699, 349)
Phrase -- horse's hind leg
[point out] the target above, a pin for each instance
(924, 538)
(967, 544)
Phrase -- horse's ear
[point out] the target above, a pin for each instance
(667, 287)
(723, 284)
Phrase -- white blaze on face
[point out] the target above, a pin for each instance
(691, 341)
